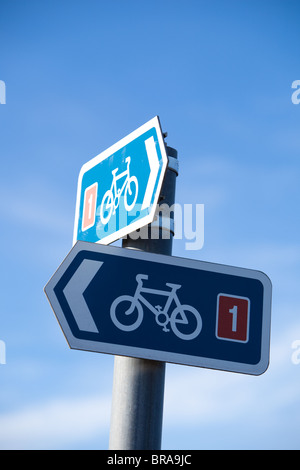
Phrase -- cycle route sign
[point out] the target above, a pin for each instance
(118, 190)
(133, 303)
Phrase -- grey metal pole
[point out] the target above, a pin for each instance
(138, 388)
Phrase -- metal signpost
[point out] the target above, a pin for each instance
(143, 305)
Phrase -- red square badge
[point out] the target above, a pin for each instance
(233, 314)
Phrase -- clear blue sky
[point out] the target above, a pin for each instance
(80, 76)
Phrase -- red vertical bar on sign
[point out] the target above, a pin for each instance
(233, 318)
(89, 206)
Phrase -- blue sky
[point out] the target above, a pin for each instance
(79, 77)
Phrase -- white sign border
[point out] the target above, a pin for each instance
(154, 122)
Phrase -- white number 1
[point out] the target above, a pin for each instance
(90, 203)
(89, 206)
(234, 317)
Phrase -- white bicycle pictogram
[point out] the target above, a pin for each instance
(127, 311)
(112, 197)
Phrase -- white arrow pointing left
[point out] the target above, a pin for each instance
(74, 290)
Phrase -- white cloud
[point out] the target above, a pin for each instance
(55, 424)
(194, 399)
(200, 398)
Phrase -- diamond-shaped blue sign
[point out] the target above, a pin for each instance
(118, 190)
